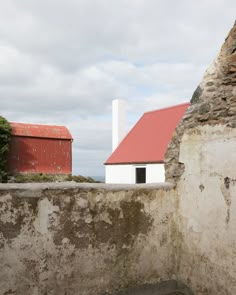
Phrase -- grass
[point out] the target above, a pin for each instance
(40, 177)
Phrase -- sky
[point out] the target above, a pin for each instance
(62, 62)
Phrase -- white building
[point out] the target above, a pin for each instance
(139, 156)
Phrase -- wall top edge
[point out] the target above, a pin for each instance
(84, 186)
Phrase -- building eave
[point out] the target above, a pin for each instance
(136, 163)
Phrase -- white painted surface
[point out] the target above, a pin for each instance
(126, 173)
(119, 174)
(118, 122)
(155, 173)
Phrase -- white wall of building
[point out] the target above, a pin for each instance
(155, 173)
(126, 173)
(119, 174)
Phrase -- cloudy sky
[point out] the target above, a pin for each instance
(64, 61)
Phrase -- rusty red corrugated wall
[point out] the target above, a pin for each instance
(30, 154)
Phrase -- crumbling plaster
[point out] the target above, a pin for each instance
(84, 239)
(206, 211)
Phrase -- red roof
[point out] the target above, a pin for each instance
(41, 131)
(148, 139)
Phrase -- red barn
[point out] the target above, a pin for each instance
(39, 148)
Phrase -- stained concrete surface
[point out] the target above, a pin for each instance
(69, 238)
(170, 287)
(154, 293)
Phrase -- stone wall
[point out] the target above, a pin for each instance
(213, 103)
(85, 239)
(201, 159)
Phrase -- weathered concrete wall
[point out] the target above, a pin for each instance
(84, 239)
(207, 210)
(201, 159)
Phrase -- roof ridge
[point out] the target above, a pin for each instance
(41, 124)
(166, 108)
(40, 130)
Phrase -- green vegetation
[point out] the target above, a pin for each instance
(40, 177)
(5, 137)
(79, 178)
(34, 177)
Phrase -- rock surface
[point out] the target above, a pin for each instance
(213, 102)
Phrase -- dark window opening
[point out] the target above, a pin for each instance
(140, 175)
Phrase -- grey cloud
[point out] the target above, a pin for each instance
(62, 62)
(75, 33)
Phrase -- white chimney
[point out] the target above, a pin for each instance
(118, 122)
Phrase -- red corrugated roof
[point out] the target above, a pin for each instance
(41, 131)
(148, 139)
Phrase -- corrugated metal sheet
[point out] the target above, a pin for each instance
(40, 155)
(41, 131)
(148, 140)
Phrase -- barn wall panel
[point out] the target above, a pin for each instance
(40, 155)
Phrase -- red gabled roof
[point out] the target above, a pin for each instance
(148, 139)
(41, 131)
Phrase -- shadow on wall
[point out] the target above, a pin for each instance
(21, 158)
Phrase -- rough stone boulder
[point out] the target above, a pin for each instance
(213, 102)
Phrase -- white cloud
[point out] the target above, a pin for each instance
(62, 62)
